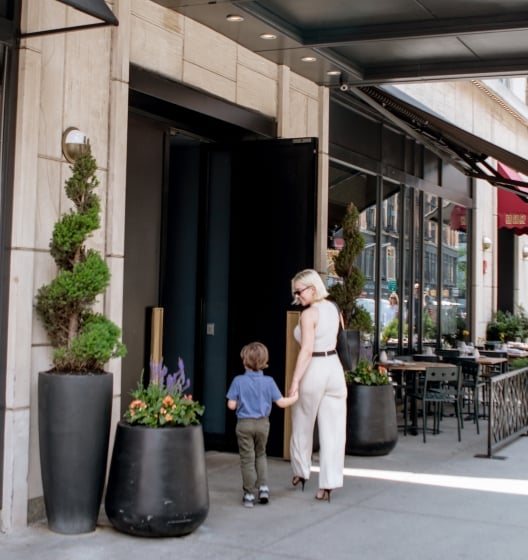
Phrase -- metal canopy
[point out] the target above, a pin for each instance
(376, 41)
(465, 151)
(95, 8)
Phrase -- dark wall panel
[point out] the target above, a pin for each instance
(354, 132)
(146, 139)
(506, 266)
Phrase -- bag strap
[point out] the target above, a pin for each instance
(341, 319)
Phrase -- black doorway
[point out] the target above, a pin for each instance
(214, 233)
(242, 217)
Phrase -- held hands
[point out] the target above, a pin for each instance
(294, 389)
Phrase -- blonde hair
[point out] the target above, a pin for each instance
(395, 296)
(255, 356)
(310, 278)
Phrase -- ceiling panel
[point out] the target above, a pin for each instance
(377, 41)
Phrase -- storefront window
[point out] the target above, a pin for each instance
(391, 309)
(454, 326)
(414, 260)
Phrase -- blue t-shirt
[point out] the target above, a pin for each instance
(255, 394)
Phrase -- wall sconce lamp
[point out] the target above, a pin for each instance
(74, 144)
(486, 243)
(525, 252)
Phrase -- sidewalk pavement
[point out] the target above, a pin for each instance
(433, 501)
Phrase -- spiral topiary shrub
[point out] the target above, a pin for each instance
(82, 340)
(347, 292)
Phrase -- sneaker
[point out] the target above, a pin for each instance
(248, 500)
(263, 495)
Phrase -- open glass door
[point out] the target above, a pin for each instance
(240, 222)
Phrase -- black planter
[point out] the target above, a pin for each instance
(372, 427)
(157, 486)
(74, 414)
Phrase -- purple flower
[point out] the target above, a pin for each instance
(175, 382)
(157, 373)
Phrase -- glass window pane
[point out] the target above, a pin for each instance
(454, 325)
(390, 282)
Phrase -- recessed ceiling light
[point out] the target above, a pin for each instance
(308, 59)
(234, 17)
(333, 73)
(268, 36)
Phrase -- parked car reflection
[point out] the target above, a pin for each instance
(369, 305)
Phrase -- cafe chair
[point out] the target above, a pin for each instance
(448, 354)
(442, 385)
(472, 386)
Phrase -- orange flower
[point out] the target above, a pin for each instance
(162, 402)
(137, 404)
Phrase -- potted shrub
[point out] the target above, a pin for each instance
(372, 427)
(371, 417)
(75, 396)
(506, 326)
(357, 320)
(157, 485)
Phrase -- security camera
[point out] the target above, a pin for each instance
(343, 87)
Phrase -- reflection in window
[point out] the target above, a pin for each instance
(425, 242)
(454, 327)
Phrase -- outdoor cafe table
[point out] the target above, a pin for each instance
(488, 363)
(413, 368)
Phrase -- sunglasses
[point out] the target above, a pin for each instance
(299, 292)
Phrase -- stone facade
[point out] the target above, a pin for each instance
(81, 79)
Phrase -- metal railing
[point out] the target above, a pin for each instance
(508, 408)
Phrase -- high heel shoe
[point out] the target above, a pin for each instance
(299, 479)
(323, 494)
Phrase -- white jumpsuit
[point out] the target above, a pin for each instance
(322, 395)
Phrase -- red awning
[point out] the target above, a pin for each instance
(459, 218)
(511, 209)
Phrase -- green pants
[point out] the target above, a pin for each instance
(252, 436)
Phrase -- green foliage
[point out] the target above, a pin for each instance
(506, 326)
(429, 327)
(518, 363)
(96, 343)
(82, 339)
(391, 330)
(163, 401)
(366, 373)
(346, 293)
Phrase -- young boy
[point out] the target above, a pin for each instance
(252, 395)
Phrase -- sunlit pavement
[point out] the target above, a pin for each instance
(430, 501)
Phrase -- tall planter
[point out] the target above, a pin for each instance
(372, 427)
(74, 413)
(157, 486)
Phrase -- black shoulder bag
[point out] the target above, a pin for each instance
(347, 344)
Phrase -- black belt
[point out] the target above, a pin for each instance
(324, 354)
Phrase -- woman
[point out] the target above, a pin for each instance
(392, 312)
(319, 378)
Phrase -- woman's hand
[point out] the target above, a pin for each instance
(294, 389)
